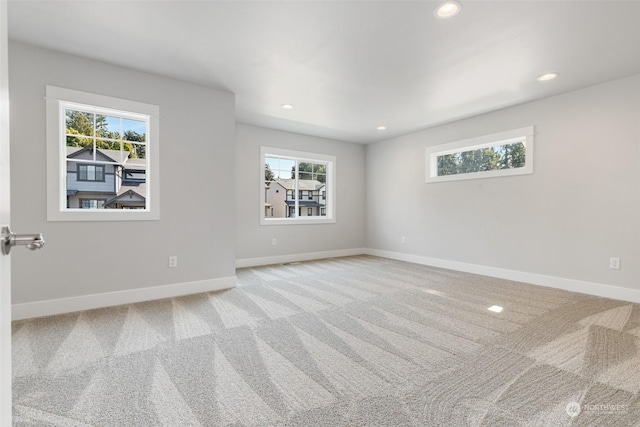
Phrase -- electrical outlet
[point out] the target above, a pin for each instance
(274, 242)
(614, 263)
(173, 261)
(403, 240)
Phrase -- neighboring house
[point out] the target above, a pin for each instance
(275, 200)
(280, 202)
(119, 183)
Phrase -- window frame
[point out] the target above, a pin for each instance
(87, 165)
(58, 100)
(96, 200)
(330, 186)
(524, 135)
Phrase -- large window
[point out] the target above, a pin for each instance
(502, 154)
(296, 187)
(102, 157)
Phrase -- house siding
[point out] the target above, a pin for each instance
(106, 186)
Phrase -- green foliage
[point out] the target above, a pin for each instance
(311, 171)
(81, 132)
(268, 173)
(508, 156)
(137, 150)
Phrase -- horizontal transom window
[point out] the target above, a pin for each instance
(502, 154)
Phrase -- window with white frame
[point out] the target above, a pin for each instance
(296, 187)
(501, 154)
(102, 155)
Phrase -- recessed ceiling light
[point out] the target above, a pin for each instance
(495, 308)
(447, 9)
(546, 77)
(287, 106)
(381, 128)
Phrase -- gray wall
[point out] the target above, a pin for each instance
(348, 232)
(580, 207)
(197, 190)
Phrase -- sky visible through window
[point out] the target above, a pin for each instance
(281, 168)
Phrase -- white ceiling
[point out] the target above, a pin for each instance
(350, 66)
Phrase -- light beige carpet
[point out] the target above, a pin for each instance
(357, 341)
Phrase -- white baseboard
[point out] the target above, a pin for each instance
(108, 299)
(88, 302)
(597, 289)
(307, 256)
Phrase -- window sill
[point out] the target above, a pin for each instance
(103, 215)
(299, 221)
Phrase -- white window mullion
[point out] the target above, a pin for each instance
(296, 194)
(121, 142)
(95, 145)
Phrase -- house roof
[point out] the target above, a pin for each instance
(129, 194)
(140, 189)
(303, 184)
(113, 155)
(136, 164)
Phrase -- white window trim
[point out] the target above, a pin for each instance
(524, 134)
(56, 97)
(330, 202)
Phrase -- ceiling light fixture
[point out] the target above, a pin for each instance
(287, 106)
(547, 77)
(381, 128)
(447, 9)
(495, 308)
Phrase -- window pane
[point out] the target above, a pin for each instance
(279, 168)
(107, 144)
(312, 171)
(91, 173)
(79, 123)
(134, 130)
(138, 151)
(82, 172)
(99, 173)
(108, 126)
(498, 157)
(78, 128)
(78, 141)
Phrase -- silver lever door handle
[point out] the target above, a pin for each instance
(9, 240)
